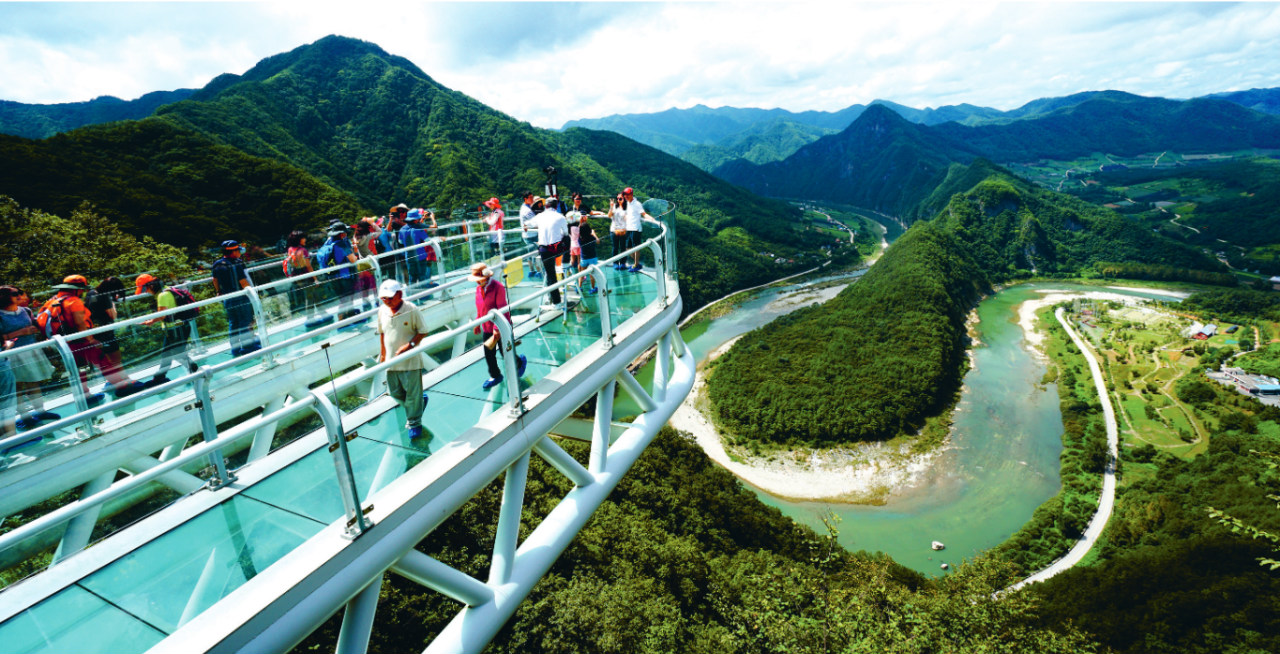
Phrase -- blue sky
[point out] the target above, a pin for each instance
(547, 63)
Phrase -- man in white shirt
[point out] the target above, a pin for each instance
(400, 328)
(552, 228)
(635, 219)
(529, 230)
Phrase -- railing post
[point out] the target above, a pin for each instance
(209, 428)
(659, 270)
(435, 245)
(606, 319)
(260, 320)
(78, 392)
(357, 523)
(509, 361)
(377, 272)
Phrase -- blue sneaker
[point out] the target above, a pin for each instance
(237, 352)
(415, 432)
(95, 399)
(125, 390)
(29, 422)
(635, 269)
(491, 382)
(521, 364)
(592, 291)
(46, 416)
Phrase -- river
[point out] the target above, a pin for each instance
(999, 466)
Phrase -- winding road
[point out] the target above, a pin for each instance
(1108, 500)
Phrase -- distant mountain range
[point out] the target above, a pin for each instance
(710, 138)
(37, 121)
(887, 163)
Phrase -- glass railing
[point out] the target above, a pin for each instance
(547, 337)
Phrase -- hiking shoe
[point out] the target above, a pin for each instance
(414, 432)
(634, 269)
(491, 382)
(94, 399)
(46, 416)
(125, 390)
(158, 380)
(521, 364)
(29, 422)
(592, 291)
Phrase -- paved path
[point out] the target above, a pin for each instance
(1107, 503)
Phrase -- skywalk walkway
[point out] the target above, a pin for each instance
(255, 539)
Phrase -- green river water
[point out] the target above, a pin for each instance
(1000, 464)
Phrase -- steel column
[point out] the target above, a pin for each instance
(560, 460)
(80, 528)
(504, 543)
(602, 429)
(418, 567)
(357, 620)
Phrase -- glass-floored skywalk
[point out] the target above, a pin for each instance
(178, 571)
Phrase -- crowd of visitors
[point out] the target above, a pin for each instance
(402, 245)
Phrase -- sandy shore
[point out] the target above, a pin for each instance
(1027, 310)
(865, 474)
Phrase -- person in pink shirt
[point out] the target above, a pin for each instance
(494, 220)
(491, 295)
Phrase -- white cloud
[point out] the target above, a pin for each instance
(551, 62)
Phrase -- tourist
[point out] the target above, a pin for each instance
(101, 302)
(31, 367)
(230, 276)
(575, 219)
(494, 220)
(65, 314)
(491, 295)
(8, 396)
(302, 292)
(635, 219)
(337, 252)
(552, 231)
(177, 326)
(400, 329)
(529, 230)
(414, 235)
(587, 238)
(618, 227)
(393, 265)
(366, 247)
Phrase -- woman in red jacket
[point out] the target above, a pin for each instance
(491, 295)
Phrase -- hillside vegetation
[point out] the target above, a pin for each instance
(889, 350)
(37, 121)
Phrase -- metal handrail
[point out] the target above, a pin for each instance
(234, 434)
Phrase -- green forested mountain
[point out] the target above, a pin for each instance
(37, 121)
(889, 349)
(339, 128)
(854, 166)
(881, 162)
(763, 142)
(155, 179)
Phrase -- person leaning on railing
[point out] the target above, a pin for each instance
(71, 316)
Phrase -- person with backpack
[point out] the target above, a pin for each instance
(66, 315)
(101, 302)
(231, 276)
(30, 368)
(337, 251)
(393, 265)
(177, 326)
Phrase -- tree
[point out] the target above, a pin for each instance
(1239, 526)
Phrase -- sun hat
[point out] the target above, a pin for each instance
(414, 216)
(627, 191)
(73, 283)
(389, 288)
(480, 272)
(142, 281)
(492, 203)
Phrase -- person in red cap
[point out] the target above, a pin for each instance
(635, 219)
(66, 314)
(494, 220)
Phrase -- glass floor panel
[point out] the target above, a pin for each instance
(175, 577)
(76, 621)
(446, 417)
(309, 487)
(466, 382)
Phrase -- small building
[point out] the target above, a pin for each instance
(1232, 329)
(1195, 328)
(1266, 389)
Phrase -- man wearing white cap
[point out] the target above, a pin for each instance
(400, 328)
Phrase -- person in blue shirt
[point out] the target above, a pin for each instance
(419, 259)
(230, 276)
(338, 251)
